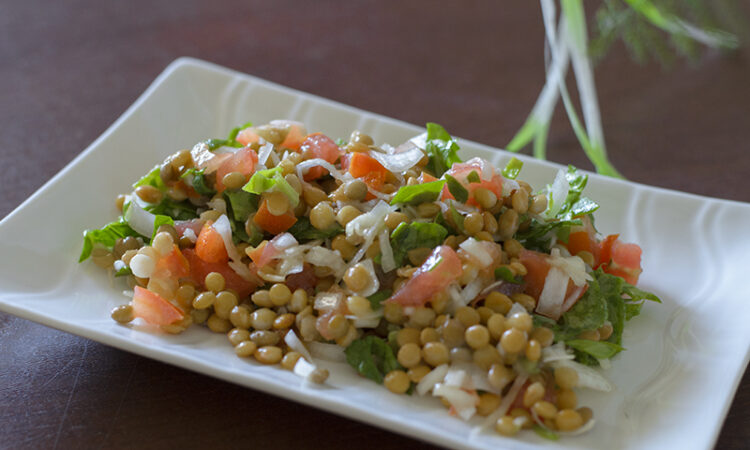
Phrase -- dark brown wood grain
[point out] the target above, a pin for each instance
(69, 68)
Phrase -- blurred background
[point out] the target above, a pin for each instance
(69, 68)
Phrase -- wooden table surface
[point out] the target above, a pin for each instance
(69, 68)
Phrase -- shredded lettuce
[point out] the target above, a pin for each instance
(441, 149)
(303, 231)
(513, 168)
(372, 357)
(456, 189)
(271, 180)
(408, 236)
(106, 236)
(153, 178)
(418, 193)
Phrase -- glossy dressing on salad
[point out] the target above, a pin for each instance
(428, 274)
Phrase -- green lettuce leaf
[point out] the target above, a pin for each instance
(378, 298)
(441, 149)
(597, 349)
(241, 204)
(153, 178)
(418, 193)
(271, 180)
(372, 357)
(408, 236)
(503, 273)
(106, 236)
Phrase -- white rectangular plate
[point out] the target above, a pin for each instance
(674, 384)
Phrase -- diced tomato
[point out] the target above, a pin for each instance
(273, 224)
(267, 252)
(210, 245)
(426, 178)
(364, 166)
(247, 136)
(537, 268)
(461, 171)
(294, 137)
(318, 145)
(243, 161)
(621, 259)
(200, 268)
(440, 269)
(152, 308)
(194, 224)
(172, 266)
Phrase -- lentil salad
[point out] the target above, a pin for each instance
(429, 275)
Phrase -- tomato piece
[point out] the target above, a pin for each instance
(172, 266)
(194, 224)
(200, 268)
(153, 308)
(243, 161)
(461, 171)
(323, 319)
(621, 259)
(273, 224)
(318, 145)
(582, 241)
(440, 269)
(210, 245)
(294, 136)
(362, 164)
(537, 268)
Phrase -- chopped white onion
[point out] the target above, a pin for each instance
(556, 352)
(368, 226)
(327, 301)
(420, 141)
(458, 378)
(374, 283)
(463, 402)
(305, 165)
(224, 229)
(486, 169)
(324, 257)
(303, 368)
(218, 204)
(189, 234)
(505, 404)
(471, 290)
(399, 163)
(327, 352)
(553, 295)
(558, 193)
(284, 241)
(477, 250)
(477, 376)
(295, 344)
(140, 220)
(432, 378)
(573, 266)
(387, 261)
(510, 186)
(264, 152)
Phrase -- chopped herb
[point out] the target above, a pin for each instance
(197, 179)
(153, 178)
(372, 357)
(546, 433)
(597, 349)
(378, 298)
(303, 231)
(213, 144)
(408, 236)
(457, 189)
(418, 193)
(504, 273)
(441, 149)
(473, 177)
(123, 272)
(513, 168)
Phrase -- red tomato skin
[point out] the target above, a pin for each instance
(318, 145)
(153, 308)
(432, 277)
(243, 161)
(461, 171)
(210, 245)
(199, 269)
